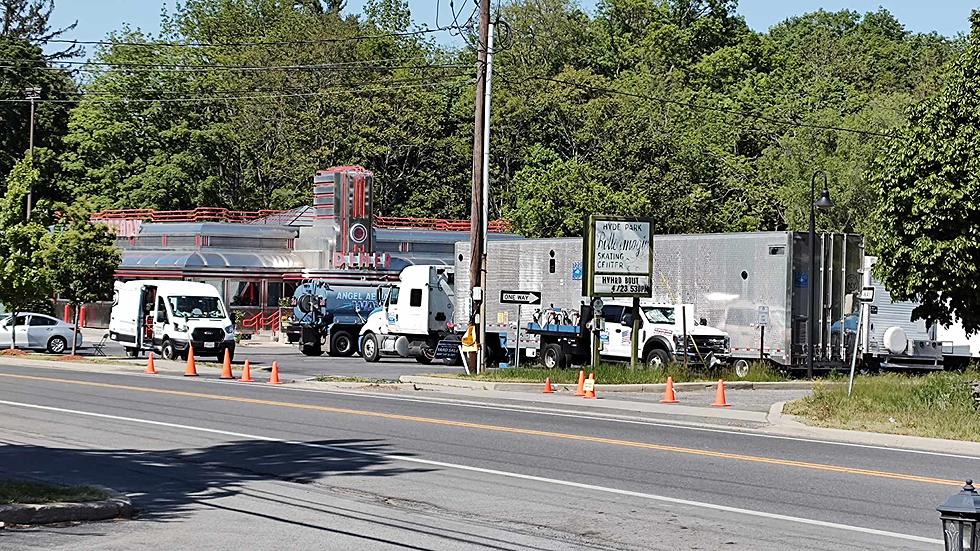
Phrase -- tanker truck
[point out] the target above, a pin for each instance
(327, 317)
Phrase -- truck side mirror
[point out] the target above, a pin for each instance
(379, 296)
(703, 321)
(627, 319)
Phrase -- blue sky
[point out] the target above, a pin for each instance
(98, 17)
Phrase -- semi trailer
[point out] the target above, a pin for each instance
(754, 287)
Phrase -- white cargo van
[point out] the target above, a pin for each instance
(167, 316)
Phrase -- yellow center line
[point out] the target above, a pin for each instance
(509, 430)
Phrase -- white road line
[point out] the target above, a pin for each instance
(507, 474)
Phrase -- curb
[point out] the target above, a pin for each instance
(350, 385)
(422, 382)
(117, 506)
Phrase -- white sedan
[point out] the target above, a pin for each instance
(37, 332)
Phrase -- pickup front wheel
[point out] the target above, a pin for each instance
(657, 359)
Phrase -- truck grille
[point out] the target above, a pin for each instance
(208, 334)
(710, 344)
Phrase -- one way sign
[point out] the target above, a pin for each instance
(520, 297)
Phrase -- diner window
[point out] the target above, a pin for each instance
(278, 290)
(245, 293)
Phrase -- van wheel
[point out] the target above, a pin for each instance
(57, 345)
(342, 344)
(657, 359)
(369, 348)
(167, 350)
(553, 357)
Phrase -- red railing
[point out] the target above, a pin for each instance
(268, 216)
(262, 321)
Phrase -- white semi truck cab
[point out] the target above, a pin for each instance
(412, 315)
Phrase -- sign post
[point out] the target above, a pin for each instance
(520, 298)
(618, 254)
(866, 297)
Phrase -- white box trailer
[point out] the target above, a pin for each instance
(727, 277)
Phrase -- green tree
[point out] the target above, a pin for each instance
(24, 67)
(24, 276)
(928, 214)
(82, 259)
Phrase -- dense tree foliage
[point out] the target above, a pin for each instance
(928, 218)
(673, 109)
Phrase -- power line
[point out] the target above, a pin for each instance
(414, 83)
(197, 44)
(94, 67)
(702, 107)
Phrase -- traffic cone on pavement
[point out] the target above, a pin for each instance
(591, 392)
(547, 386)
(580, 390)
(669, 397)
(246, 373)
(274, 376)
(720, 401)
(226, 367)
(191, 370)
(151, 369)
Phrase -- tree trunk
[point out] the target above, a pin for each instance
(74, 333)
(13, 330)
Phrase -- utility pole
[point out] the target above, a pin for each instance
(477, 218)
(32, 94)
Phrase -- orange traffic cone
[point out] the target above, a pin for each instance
(669, 397)
(720, 401)
(191, 370)
(246, 373)
(580, 390)
(591, 392)
(226, 367)
(274, 376)
(151, 369)
(547, 386)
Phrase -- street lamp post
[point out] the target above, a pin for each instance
(960, 515)
(823, 203)
(32, 94)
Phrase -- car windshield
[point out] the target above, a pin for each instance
(197, 307)
(659, 315)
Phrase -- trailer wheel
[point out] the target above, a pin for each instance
(553, 357)
(342, 344)
(741, 368)
(657, 359)
(370, 349)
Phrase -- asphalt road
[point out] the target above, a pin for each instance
(224, 465)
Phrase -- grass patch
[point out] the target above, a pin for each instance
(609, 373)
(19, 491)
(938, 405)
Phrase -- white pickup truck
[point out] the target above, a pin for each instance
(662, 329)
